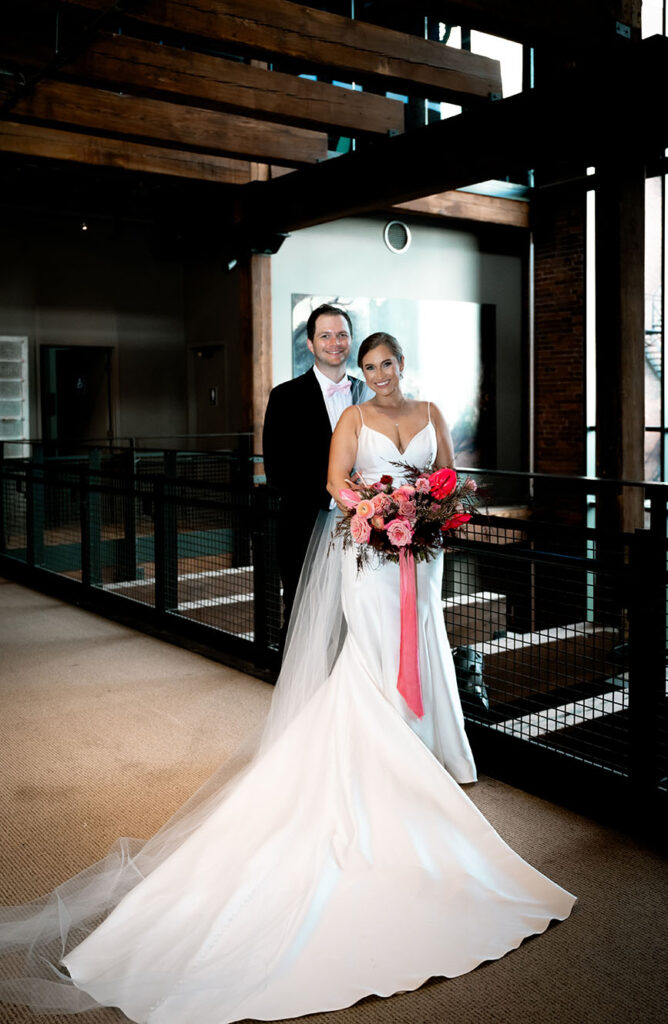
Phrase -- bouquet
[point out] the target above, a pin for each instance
(415, 517)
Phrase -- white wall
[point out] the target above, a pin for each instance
(349, 258)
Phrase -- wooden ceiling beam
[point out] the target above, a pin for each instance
(155, 70)
(55, 144)
(455, 205)
(280, 28)
(63, 103)
(580, 123)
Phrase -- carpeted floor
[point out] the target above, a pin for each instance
(105, 731)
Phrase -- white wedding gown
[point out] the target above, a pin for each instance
(346, 860)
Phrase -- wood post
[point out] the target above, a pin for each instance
(256, 350)
(620, 337)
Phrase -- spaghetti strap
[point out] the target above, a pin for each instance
(360, 412)
(429, 411)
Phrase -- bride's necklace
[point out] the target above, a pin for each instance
(396, 425)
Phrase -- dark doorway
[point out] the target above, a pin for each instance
(211, 407)
(75, 393)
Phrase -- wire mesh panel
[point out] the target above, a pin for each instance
(215, 571)
(14, 509)
(56, 498)
(541, 620)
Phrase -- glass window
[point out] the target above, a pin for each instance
(654, 416)
(505, 51)
(653, 18)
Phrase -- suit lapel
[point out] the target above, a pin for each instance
(316, 402)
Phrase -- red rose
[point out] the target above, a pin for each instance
(386, 480)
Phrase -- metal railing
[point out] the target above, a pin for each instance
(559, 628)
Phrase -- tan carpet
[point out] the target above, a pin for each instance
(105, 731)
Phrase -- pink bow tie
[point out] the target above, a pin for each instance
(332, 389)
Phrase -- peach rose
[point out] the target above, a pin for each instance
(378, 522)
(365, 509)
(381, 503)
(360, 529)
(399, 532)
(422, 485)
(405, 492)
(407, 509)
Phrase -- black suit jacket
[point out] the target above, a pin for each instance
(295, 443)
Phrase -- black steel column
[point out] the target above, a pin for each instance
(166, 538)
(35, 507)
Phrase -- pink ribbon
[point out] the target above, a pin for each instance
(408, 683)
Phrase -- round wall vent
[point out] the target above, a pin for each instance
(397, 236)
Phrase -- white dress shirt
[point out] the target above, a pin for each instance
(336, 403)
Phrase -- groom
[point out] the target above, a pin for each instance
(301, 415)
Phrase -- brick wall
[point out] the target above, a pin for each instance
(559, 411)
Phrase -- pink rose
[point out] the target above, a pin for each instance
(378, 486)
(365, 509)
(399, 532)
(422, 485)
(456, 520)
(349, 498)
(378, 522)
(360, 530)
(381, 503)
(407, 509)
(470, 484)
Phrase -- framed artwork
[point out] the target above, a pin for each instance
(450, 358)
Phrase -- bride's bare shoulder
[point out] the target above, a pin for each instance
(434, 412)
(350, 418)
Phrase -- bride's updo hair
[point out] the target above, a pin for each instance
(374, 340)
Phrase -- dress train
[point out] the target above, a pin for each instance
(380, 875)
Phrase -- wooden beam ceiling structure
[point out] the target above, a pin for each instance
(188, 127)
(532, 129)
(54, 144)
(145, 68)
(175, 87)
(177, 90)
(281, 28)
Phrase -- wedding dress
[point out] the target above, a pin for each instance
(345, 859)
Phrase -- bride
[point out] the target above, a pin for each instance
(343, 859)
